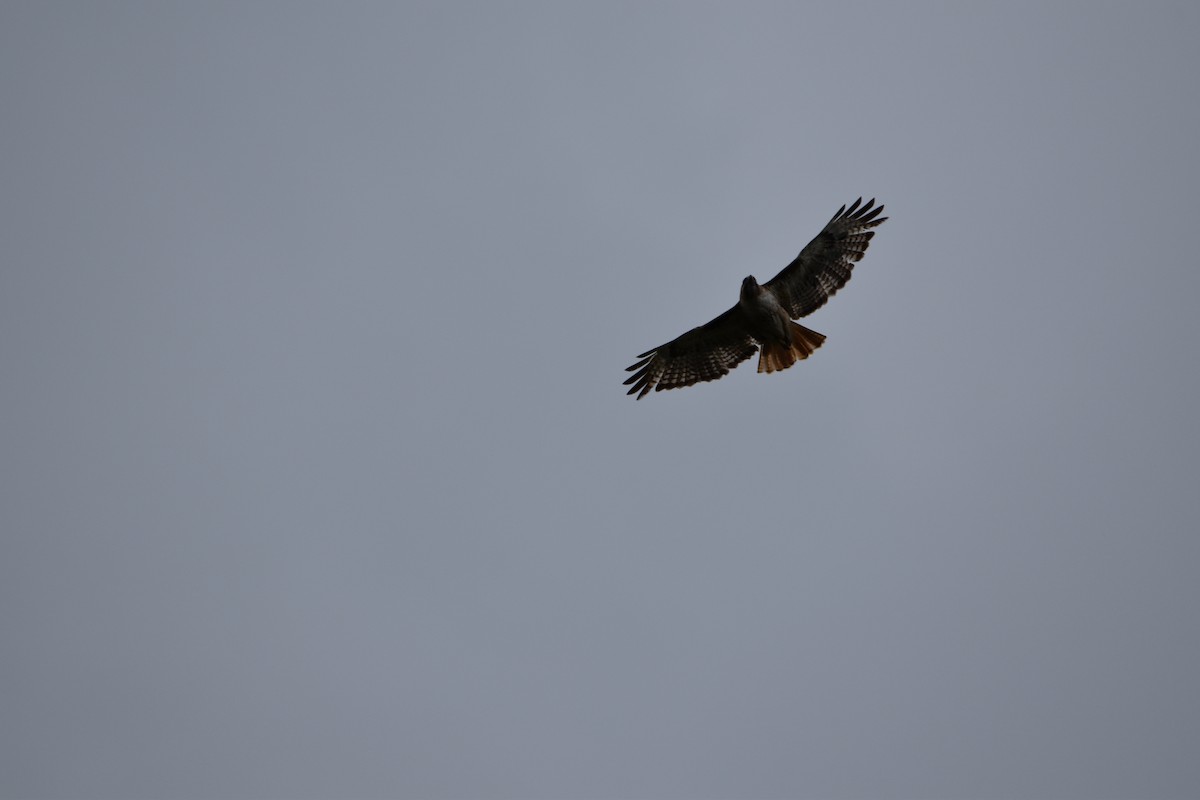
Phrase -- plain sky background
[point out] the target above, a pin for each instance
(319, 480)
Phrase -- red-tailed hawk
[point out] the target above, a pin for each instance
(763, 315)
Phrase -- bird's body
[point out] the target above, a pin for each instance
(765, 318)
(762, 319)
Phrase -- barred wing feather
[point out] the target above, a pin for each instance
(824, 264)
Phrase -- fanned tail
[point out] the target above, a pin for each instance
(773, 357)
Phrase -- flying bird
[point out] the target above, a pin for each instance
(762, 318)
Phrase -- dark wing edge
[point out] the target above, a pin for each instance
(825, 263)
(702, 354)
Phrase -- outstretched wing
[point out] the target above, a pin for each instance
(702, 354)
(824, 264)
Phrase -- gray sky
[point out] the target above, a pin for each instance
(319, 479)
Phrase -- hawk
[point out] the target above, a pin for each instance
(762, 318)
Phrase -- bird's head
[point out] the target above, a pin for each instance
(749, 286)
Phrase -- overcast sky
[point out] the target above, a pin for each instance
(318, 476)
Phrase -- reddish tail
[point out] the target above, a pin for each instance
(774, 357)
